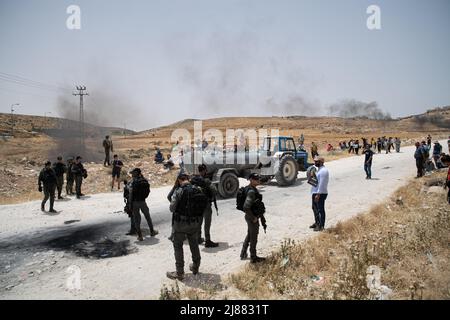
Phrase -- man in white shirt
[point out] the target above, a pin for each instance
(319, 193)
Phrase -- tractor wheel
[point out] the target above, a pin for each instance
(228, 185)
(287, 171)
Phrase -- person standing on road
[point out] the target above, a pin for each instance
(397, 142)
(47, 177)
(368, 156)
(186, 223)
(69, 177)
(139, 189)
(429, 142)
(108, 146)
(420, 159)
(116, 170)
(79, 173)
(60, 168)
(320, 194)
(253, 208)
(201, 181)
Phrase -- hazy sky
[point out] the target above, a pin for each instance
(148, 63)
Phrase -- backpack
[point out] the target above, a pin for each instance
(141, 189)
(193, 202)
(48, 176)
(206, 188)
(240, 198)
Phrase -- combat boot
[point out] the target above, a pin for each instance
(153, 232)
(257, 259)
(139, 233)
(211, 244)
(42, 208)
(193, 269)
(175, 275)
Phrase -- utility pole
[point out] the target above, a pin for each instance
(81, 93)
(12, 117)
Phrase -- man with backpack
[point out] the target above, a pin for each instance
(201, 181)
(60, 168)
(187, 206)
(47, 177)
(249, 200)
(139, 189)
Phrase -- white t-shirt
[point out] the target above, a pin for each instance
(322, 176)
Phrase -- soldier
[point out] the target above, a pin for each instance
(47, 177)
(60, 168)
(139, 189)
(187, 206)
(69, 177)
(79, 173)
(314, 150)
(209, 190)
(108, 146)
(254, 211)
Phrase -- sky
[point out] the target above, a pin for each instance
(150, 63)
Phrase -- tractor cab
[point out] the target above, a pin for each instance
(280, 146)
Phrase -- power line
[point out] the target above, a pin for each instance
(30, 83)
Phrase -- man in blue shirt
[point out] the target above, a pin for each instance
(319, 194)
(419, 155)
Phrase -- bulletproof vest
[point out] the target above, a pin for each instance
(59, 169)
(192, 203)
(48, 176)
(140, 189)
(204, 184)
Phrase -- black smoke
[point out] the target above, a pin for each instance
(351, 108)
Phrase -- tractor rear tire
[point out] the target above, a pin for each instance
(287, 171)
(228, 185)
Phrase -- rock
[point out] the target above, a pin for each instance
(9, 287)
(436, 189)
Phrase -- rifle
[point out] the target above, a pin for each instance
(263, 222)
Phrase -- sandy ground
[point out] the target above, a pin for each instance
(37, 249)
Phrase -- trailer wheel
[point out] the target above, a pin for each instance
(228, 185)
(287, 171)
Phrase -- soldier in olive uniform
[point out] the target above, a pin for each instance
(204, 183)
(60, 168)
(184, 226)
(47, 177)
(253, 214)
(69, 177)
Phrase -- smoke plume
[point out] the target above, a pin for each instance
(351, 108)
